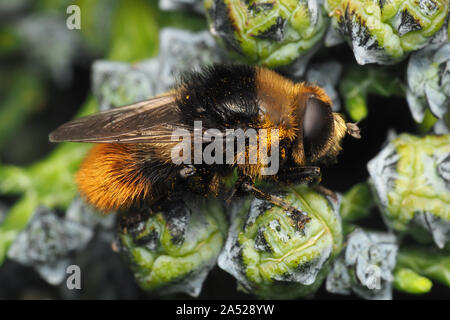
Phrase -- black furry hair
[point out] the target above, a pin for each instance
(222, 94)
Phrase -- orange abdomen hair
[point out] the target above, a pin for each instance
(110, 179)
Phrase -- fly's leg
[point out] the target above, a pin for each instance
(325, 192)
(297, 175)
(310, 175)
(300, 217)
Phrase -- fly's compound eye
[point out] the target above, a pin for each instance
(317, 126)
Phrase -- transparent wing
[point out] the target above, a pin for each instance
(147, 121)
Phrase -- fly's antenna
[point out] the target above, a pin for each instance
(353, 130)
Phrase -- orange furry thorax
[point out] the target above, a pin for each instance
(109, 179)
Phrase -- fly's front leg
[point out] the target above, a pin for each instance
(300, 217)
(325, 192)
(309, 175)
(298, 175)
